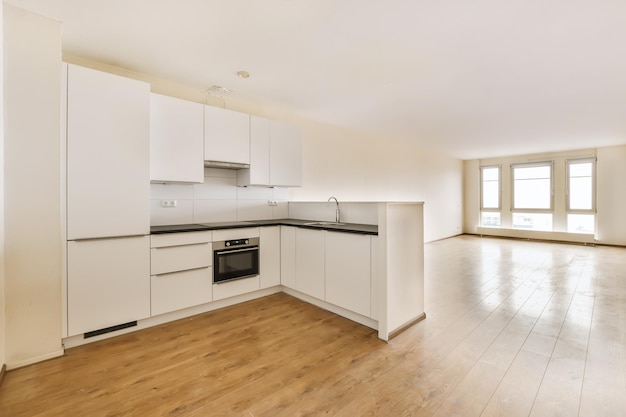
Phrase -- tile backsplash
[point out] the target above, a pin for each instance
(218, 199)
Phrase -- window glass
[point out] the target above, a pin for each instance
(490, 190)
(532, 186)
(532, 221)
(580, 223)
(580, 185)
(490, 219)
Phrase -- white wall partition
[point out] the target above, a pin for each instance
(611, 198)
(400, 266)
(2, 248)
(32, 97)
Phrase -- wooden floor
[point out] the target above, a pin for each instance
(513, 328)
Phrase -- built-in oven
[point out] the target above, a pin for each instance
(235, 259)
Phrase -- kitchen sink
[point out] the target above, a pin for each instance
(324, 224)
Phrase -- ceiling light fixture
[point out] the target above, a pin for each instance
(218, 91)
(243, 74)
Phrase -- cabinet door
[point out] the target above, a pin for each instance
(226, 135)
(310, 262)
(259, 171)
(270, 256)
(348, 271)
(182, 289)
(285, 154)
(288, 256)
(108, 282)
(176, 140)
(108, 150)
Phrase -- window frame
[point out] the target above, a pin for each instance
(593, 209)
(549, 164)
(492, 209)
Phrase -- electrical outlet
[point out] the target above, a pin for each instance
(272, 203)
(168, 203)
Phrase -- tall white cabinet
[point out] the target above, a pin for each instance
(108, 211)
(108, 148)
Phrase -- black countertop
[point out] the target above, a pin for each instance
(366, 229)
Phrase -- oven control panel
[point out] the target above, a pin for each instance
(237, 242)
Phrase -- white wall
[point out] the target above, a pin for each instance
(32, 69)
(2, 249)
(611, 199)
(356, 167)
(611, 203)
(471, 195)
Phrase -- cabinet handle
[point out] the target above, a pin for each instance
(181, 270)
(87, 239)
(180, 245)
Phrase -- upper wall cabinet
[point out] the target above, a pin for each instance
(176, 140)
(108, 148)
(226, 136)
(275, 155)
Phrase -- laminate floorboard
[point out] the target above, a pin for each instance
(514, 328)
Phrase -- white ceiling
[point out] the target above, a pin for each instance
(474, 78)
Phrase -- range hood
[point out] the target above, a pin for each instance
(225, 165)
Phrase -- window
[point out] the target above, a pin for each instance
(581, 201)
(532, 196)
(490, 196)
(532, 186)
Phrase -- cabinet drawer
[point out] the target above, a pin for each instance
(180, 258)
(176, 239)
(178, 290)
(233, 288)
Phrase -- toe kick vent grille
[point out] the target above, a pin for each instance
(110, 329)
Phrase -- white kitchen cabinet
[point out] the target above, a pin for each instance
(176, 140)
(374, 290)
(178, 290)
(347, 271)
(226, 135)
(288, 256)
(310, 262)
(181, 271)
(236, 287)
(275, 155)
(108, 151)
(108, 282)
(285, 155)
(269, 248)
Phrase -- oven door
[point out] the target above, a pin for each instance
(235, 263)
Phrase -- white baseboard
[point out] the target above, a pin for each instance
(537, 235)
(365, 321)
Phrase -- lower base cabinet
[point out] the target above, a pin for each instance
(347, 271)
(182, 271)
(310, 262)
(108, 282)
(269, 267)
(183, 289)
(236, 287)
(288, 256)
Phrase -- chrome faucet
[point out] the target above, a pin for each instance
(337, 210)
